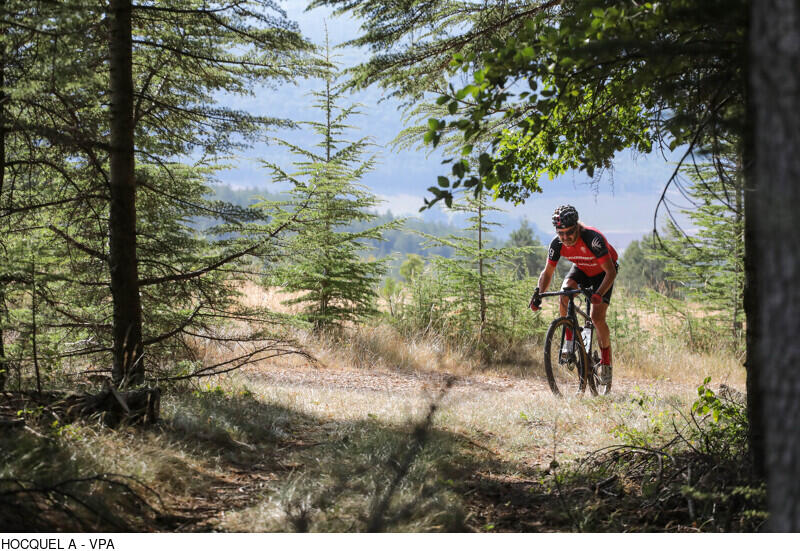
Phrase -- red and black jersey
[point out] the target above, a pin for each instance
(588, 253)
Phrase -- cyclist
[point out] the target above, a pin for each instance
(594, 264)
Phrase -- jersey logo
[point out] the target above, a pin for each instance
(597, 243)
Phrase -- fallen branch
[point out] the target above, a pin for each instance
(139, 406)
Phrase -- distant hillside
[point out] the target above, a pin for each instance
(400, 243)
(397, 242)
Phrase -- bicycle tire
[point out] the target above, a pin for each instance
(595, 359)
(562, 374)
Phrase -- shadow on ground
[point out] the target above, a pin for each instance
(228, 461)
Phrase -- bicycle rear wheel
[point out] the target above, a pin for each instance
(564, 371)
(595, 361)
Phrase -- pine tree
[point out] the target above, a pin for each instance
(183, 56)
(641, 269)
(336, 284)
(187, 54)
(709, 265)
(529, 264)
(481, 297)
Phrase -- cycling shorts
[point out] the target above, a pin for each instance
(594, 282)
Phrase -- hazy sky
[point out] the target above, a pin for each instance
(622, 207)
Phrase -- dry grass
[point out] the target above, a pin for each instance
(286, 444)
(372, 374)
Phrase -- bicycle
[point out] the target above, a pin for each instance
(563, 367)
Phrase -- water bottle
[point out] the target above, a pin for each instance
(587, 337)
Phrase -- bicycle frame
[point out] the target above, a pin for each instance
(594, 372)
(573, 309)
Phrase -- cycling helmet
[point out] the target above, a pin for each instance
(565, 216)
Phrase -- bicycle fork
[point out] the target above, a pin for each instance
(579, 333)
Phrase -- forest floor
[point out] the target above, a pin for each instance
(357, 449)
(382, 433)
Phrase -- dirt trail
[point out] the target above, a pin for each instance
(503, 492)
(414, 382)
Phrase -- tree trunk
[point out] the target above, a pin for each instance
(774, 252)
(3, 362)
(481, 287)
(128, 366)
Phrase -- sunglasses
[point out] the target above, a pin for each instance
(567, 233)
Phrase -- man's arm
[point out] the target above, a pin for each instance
(547, 276)
(608, 280)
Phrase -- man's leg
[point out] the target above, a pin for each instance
(599, 320)
(603, 336)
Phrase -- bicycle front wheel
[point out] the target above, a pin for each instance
(566, 370)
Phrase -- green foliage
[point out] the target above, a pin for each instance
(642, 269)
(709, 265)
(699, 470)
(475, 297)
(722, 434)
(411, 267)
(607, 75)
(532, 261)
(325, 261)
(728, 417)
(412, 43)
(412, 46)
(54, 188)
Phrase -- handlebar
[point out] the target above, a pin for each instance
(564, 292)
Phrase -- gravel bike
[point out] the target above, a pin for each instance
(580, 365)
